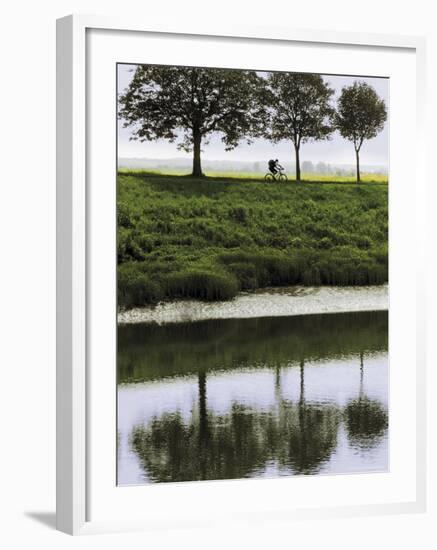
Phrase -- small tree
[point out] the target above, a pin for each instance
(189, 104)
(361, 115)
(300, 109)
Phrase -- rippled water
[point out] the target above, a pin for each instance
(274, 302)
(225, 399)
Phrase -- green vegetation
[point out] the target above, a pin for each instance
(209, 238)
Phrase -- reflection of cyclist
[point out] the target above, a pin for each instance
(274, 166)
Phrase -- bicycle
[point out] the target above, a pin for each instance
(279, 176)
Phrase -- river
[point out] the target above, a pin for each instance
(257, 397)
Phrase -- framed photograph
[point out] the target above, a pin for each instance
(240, 241)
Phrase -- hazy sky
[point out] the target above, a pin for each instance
(335, 151)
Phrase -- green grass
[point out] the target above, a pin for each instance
(306, 177)
(208, 239)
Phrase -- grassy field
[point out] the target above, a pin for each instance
(208, 239)
(252, 176)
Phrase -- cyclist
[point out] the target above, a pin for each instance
(274, 166)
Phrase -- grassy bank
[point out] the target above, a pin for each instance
(208, 239)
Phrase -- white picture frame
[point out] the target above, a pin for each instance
(74, 339)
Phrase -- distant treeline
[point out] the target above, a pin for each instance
(255, 167)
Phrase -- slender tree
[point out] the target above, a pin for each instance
(361, 115)
(300, 109)
(188, 104)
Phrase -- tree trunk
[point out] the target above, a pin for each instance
(296, 149)
(302, 380)
(203, 415)
(197, 167)
(357, 153)
(303, 458)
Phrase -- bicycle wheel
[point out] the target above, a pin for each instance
(283, 177)
(269, 177)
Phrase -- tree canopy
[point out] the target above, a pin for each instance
(187, 104)
(360, 116)
(300, 109)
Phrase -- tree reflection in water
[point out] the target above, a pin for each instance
(366, 419)
(307, 432)
(209, 446)
(298, 437)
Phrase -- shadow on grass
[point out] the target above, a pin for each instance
(169, 178)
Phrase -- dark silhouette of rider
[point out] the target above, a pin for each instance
(274, 166)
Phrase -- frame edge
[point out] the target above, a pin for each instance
(70, 280)
(71, 455)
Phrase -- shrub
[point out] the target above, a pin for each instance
(135, 288)
(311, 277)
(245, 272)
(363, 242)
(281, 270)
(201, 285)
(239, 213)
(381, 255)
(325, 243)
(123, 215)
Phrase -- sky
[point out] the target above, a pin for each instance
(336, 151)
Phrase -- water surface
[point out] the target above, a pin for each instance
(247, 398)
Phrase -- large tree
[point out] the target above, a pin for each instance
(361, 115)
(300, 109)
(188, 104)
